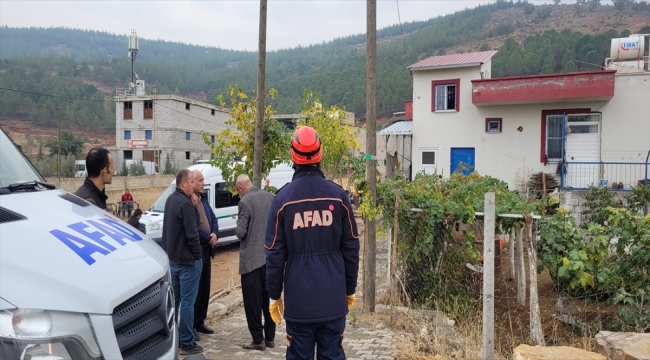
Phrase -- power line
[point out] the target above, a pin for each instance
(54, 96)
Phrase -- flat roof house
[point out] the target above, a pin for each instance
(589, 127)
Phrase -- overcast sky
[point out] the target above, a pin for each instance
(226, 24)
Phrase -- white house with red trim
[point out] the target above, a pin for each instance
(596, 123)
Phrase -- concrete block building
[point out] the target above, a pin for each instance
(149, 127)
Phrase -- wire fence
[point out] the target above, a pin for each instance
(436, 294)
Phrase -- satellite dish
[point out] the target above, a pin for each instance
(129, 54)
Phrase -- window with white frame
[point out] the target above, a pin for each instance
(428, 160)
(554, 125)
(555, 133)
(445, 98)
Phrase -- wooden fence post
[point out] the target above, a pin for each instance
(521, 269)
(536, 331)
(393, 255)
(511, 255)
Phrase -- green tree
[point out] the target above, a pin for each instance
(484, 47)
(71, 144)
(137, 168)
(39, 156)
(124, 171)
(238, 139)
(338, 135)
(168, 168)
(593, 4)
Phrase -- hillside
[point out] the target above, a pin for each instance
(81, 69)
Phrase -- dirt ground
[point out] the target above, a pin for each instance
(512, 324)
(225, 268)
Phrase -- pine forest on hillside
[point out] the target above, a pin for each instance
(45, 73)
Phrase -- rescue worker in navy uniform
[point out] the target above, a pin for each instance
(312, 252)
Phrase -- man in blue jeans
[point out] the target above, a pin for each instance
(180, 240)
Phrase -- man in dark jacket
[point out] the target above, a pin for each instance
(100, 168)
(312, 250)
(253, 213)
(180, 240)
(134, 220)
(208, 227)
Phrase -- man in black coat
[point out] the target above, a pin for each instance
(180, 240)
(134, 220)
(100, 167)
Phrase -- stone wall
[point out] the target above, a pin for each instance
(119, 182)
(575, 200)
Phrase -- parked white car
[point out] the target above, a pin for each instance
(80, 168)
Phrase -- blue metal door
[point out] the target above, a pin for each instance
(464, 156)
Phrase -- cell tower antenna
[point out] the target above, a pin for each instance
(134, 45)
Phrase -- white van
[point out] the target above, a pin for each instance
(223, 203)
(80, 168)
(76, 282)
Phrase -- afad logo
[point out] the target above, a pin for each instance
(629, 45)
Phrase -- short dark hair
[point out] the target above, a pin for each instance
(181, 176)
(96, 160)
(137, 212)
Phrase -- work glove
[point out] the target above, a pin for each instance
(351, 300)
(276, 308)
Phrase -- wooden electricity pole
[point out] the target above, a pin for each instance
(370, 243)
(259, 119)
(58, 166)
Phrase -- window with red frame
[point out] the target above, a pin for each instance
(446, 95)
(493, 125)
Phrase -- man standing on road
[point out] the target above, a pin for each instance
(253, 213)
(312, 249)
(180, 240)
(208, 228)
(100, 167)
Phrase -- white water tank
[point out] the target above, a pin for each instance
(139, 88)
(630, 48)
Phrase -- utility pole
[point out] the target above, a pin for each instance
(58, 167)
(370, 241)
(259, 120)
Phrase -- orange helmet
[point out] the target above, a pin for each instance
(305, 146)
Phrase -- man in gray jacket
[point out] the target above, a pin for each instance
(253, 214)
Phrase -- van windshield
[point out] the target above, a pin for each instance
(14, 167)
(159, 205)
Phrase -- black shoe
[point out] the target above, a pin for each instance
(253, 346)
(204, 329)
(269, 344)
(197, 337)
(188, 350)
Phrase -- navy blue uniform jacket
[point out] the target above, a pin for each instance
(312, 248)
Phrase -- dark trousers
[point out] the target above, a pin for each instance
(326, 336)
(203, 296)
(256, 303)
